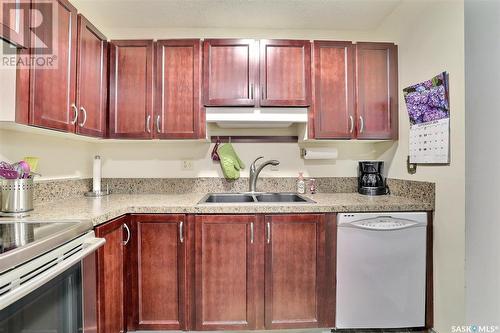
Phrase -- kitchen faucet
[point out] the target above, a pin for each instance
(254, 172)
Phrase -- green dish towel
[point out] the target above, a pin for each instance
(230, 162)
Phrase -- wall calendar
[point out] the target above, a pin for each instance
(429, 113)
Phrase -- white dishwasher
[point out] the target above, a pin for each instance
(381, 270)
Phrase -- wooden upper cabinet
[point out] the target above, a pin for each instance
(377, 90)
(53, 88)
(131, 89)
(91, 79)
(225, 274)
(159, 272)
(111, 276)
(13, 22)
(333, 112)
(285, 72)
(296, 288)
(178, 103)
(229, 72)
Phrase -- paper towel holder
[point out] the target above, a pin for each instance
(303, 154)
(94, 194)
(96, 191)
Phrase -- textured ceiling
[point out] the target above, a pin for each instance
(240, 14)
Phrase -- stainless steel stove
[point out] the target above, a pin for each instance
(22, 240)
(47, 275)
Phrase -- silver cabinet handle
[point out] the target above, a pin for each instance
(75, 114)
(251, 91)
(251, 233)
(125, 242)
(268, 232)
(158, 124)
(351, 120)
(362, 124)
(148, 123)
(82, 109)
(181, 232)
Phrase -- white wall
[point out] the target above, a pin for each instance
(430, 35)
(60, 157)
(66, 156)
(165, 159)
(482, 69)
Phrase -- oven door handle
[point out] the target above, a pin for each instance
(89, 245)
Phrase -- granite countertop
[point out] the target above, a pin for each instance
(99, 210)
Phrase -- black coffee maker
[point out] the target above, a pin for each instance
(370, 178)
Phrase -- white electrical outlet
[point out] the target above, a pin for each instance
(187, 165)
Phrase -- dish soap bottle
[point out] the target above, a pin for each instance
(301, 184)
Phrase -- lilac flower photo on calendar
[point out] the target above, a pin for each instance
(428, 101)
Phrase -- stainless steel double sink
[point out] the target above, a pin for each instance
(257, 197)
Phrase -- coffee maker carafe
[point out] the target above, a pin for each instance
(370, 178)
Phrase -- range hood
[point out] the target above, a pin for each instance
(236, 117)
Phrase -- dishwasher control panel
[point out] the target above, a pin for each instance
(383, 220)
(384, 223)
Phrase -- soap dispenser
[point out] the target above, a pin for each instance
(301, 184)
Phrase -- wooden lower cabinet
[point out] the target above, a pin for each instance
(225, 272)
(111, 283)
(157, 297)
(216, 272)
(297, 261)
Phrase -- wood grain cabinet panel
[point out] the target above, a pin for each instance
(159, 276)
(225, 290)
(111, 277)
(178, 103)
(91, 79)
(229, 72)
(295, 272)
(13, 22)
(333, 91)
(377, 90)
(131, 89)
(285, 72)
(53, 90)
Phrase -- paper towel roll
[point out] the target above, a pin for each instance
(320, 153)
(96, 175)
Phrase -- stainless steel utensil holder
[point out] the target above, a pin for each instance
(17, 195)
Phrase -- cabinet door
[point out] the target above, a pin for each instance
(13, 22)
(225, 272)
(285, 72)
(229, 72)
(159, 272)
(91, 79)
(178, 104)
(131, 89)
(333, 92)
(377, 96)
(53, 97)
(296, 272)
(110, 267)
